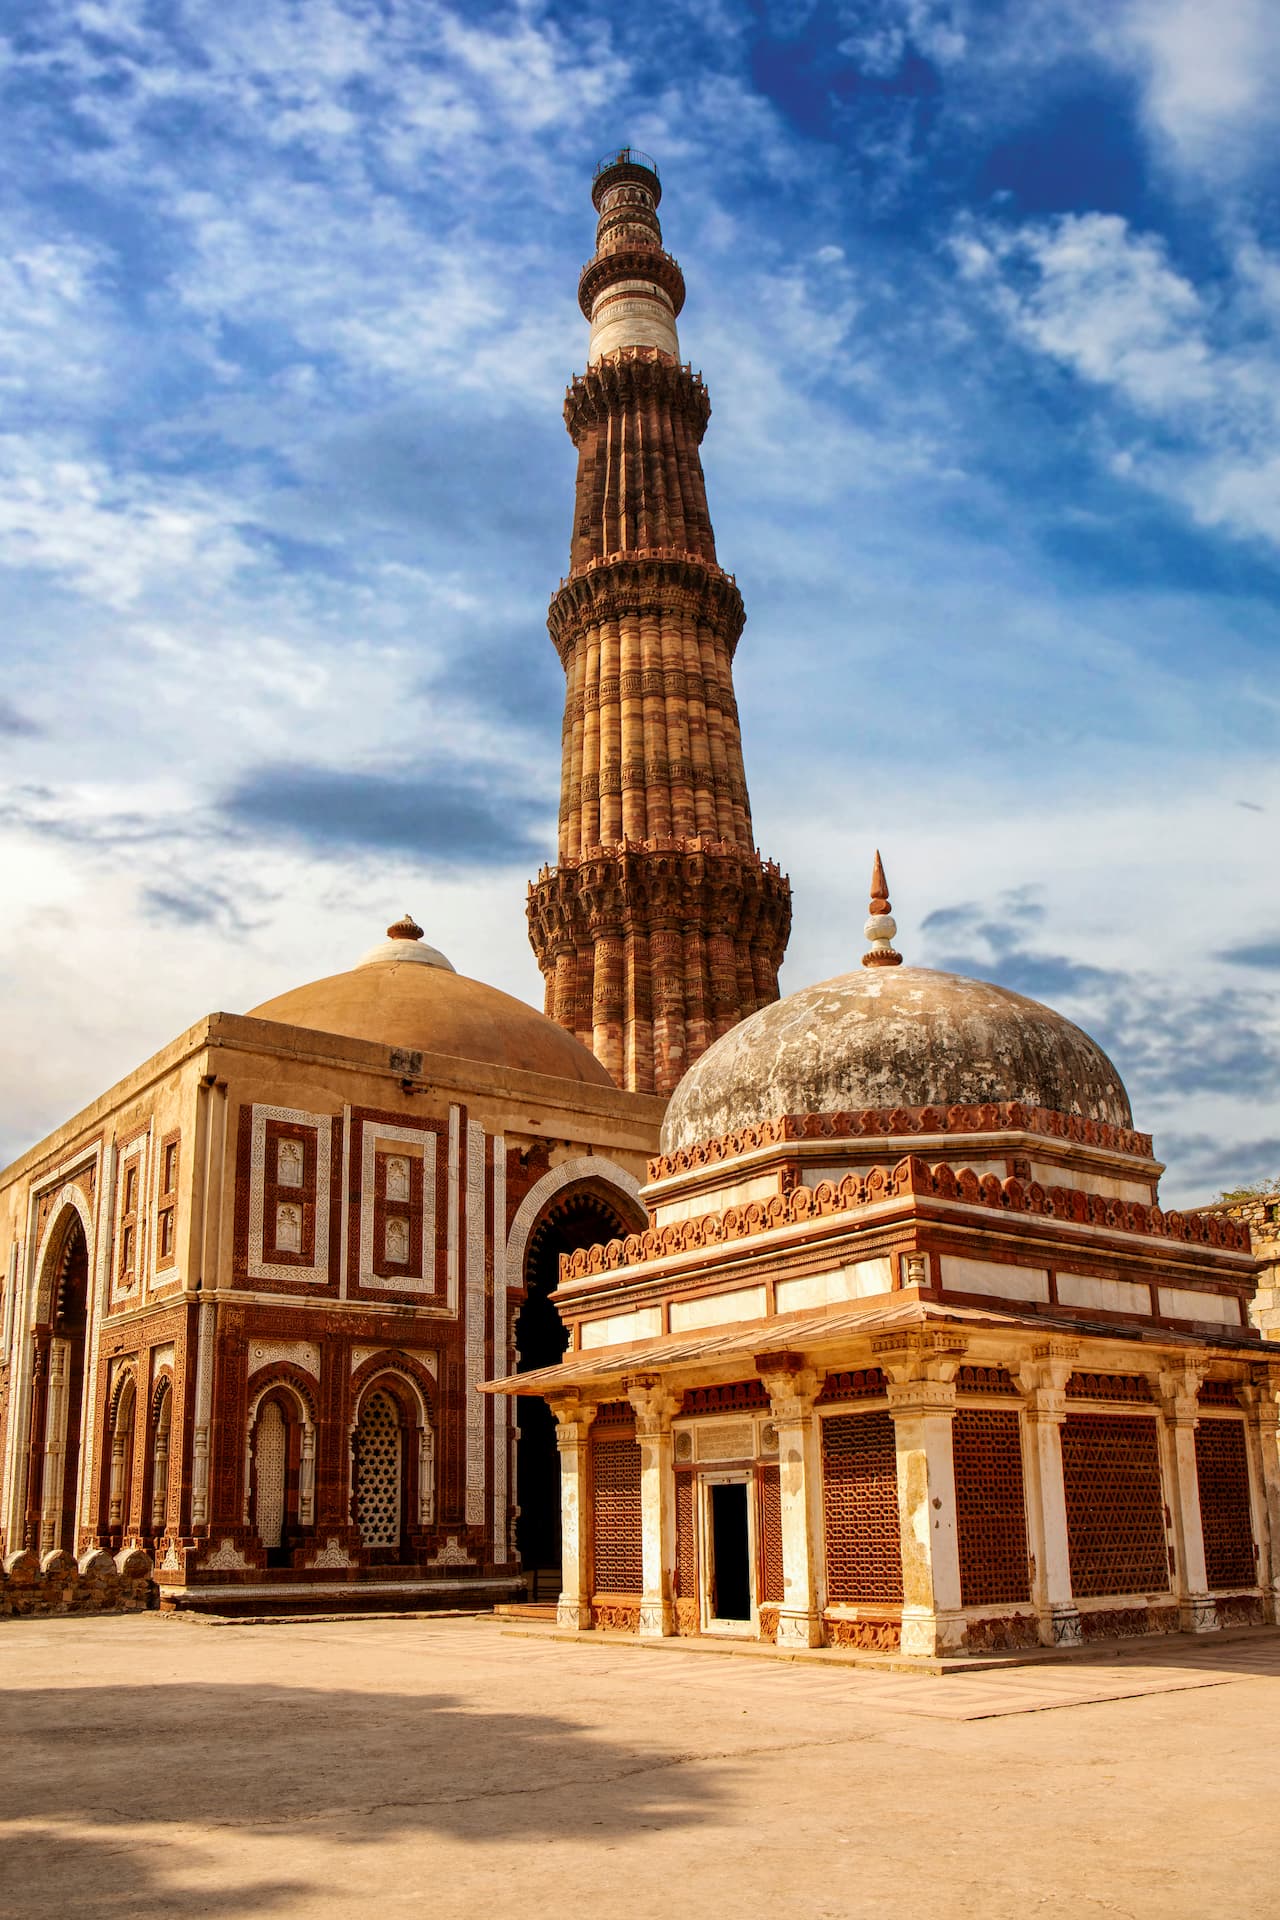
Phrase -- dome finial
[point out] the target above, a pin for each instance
(405, 928)
(881, 926)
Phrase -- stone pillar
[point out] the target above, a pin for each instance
(1045, 1409)
(792, 1393)
(573, 1438)
(923, 1410)
(1261, 1399)
(307, 1477)
(40, 1339)
(654, 1406)
(55, 1445)
(160, 1481)
(1178, 1390)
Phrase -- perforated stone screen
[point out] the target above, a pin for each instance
(1222, 1470)
(378, 1472)
(1115, 1504)
(686, 1540)
(860, 1508)
(990, 1508)
(615, 1507)
(770, 1538)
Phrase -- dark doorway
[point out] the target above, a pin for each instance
(70, 1315)
(579, 1217)
(730, 1551)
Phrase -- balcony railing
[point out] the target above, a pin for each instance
(626, 157)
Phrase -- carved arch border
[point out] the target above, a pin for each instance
(584, 1168)
(393, 1360)
(283, 1376)
(281, 1373)
(72, 1198)
(405, 1374)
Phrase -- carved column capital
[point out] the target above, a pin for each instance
(656, 1404)
(1050, 1366)
(1179, 1389)
(792, 1387)
(573, 1417)
(920, 1355)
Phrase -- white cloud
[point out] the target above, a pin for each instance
(110, 535)
(1197, 374)
(1211, 76)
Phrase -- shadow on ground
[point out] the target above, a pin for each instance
(105, 1770)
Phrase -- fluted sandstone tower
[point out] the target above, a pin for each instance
(660, 926)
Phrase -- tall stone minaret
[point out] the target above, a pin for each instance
(660, 926)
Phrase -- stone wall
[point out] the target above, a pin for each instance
(1261, 1214)
(60, 1584)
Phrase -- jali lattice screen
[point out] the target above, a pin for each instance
(1115, 1504)
(991, 1515)
(771, 1591)
(860, 1508)
(1222, 1469)
(615, 1509)
(686, 1541)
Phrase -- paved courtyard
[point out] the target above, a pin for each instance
(155, 1765)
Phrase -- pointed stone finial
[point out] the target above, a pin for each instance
(405, 928)
(881, 925)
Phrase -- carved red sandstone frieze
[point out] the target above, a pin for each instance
(911, 1176)
(994, 1117)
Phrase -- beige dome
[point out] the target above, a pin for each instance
(406, 994)
(893, 1037)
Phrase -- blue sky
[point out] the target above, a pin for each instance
(987, 298)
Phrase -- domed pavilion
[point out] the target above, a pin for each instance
(269, 1271)
(909, 1358)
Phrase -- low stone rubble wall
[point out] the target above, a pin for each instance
(96, 1583)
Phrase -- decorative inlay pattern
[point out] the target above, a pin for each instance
(294, 1207)
(1008, 1116)
(857, 1383)
(739, 1395)
(908, 1177)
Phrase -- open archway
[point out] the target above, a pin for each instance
(582, 1215)
(69, 1307)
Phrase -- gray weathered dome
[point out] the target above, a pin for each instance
(893, 1037)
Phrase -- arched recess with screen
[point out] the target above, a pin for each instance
(581, 1215)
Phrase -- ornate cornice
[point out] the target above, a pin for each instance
(714, 886)
(910, 1178)
(628, 376)
(631, 263)
(653, 580)
(1005, 1116)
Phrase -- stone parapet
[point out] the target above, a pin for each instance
(58, 1583)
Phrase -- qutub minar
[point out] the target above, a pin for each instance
(660, 926)
(848, 1319)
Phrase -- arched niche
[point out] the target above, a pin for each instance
(393, 1462)
(594, 1203)
(62, 1306)
(122, 1420)
(156, 1503)
(279, 1465)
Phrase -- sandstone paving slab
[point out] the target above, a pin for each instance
(344, 1768)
